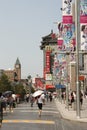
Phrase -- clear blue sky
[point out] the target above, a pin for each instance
(23, 23)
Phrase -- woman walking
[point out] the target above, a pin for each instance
(40, 101)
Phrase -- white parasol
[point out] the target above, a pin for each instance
(37, 93)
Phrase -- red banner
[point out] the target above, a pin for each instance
(48, 61)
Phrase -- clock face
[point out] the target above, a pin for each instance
(17, 66)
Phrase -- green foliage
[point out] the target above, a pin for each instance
(5, 84)
(19, 88)
(32, 90)
(16, 87)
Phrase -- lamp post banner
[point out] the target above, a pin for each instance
(83, 24)
(69, 37)
(67, 11)
(67, 30)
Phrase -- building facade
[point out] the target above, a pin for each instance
(15, 74)
(47, 45)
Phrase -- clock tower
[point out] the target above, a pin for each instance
(17, 70)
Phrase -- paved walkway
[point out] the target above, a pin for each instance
(70, 113)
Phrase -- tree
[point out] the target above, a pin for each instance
(5, 84)
(18, 88)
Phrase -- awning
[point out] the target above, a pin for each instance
(81, 77)
(50, 87)
(60, 86)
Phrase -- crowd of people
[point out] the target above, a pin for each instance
(72, 97)
(7, 102)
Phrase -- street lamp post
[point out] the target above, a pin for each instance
(67, 88)
(77, 26)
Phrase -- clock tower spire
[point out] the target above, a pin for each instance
(17, 70)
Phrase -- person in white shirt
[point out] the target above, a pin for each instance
(40, 101)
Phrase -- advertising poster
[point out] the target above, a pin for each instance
(67, 11)
(56, 65)
(39, 83)
(69, 37)
(83, 36)
(66, 37)
(61, 59)
(60, 38)
(68, 31)
(83, 24)
(83, 8)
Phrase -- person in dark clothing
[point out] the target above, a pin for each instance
(81, 98)
(50, 97)
(31, 100)
(1, 111)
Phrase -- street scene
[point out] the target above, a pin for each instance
(26, 117)
(47, 87)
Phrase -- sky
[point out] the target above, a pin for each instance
(23, 23)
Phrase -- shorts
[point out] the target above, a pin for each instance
(40, 106)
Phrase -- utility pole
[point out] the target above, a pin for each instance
(77, 27)
(67, 88)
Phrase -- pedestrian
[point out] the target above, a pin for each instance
(1, 111)
(10, 103)
(4, 103)
(31, 100)
(50, 97)
(47, 96)
(72, 98)
(40, 102)
(81, 98)
(27, 97)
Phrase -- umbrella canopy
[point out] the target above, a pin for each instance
(60, 86)
(7, 93)
(37, 93)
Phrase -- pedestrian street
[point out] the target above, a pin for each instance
(25, 116)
